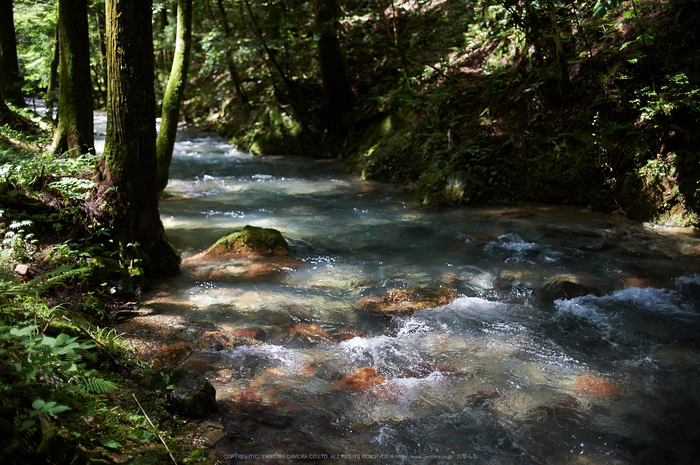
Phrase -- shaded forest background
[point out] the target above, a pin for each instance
(591, 103)
(586, 103)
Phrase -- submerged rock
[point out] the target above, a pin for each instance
(169, 355)
(514, 214)
(250, 239)
(569, 286)
(257, 334)
(343, 334)
(302, 332)
(362, 379)
(407, 301)
(193, 395)
(587, 385)
(481, 398)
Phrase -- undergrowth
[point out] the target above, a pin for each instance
(70, 387)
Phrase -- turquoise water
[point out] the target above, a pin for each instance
(499, 376)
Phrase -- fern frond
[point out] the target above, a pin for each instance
(98, 385)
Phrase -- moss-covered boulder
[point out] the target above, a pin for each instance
(250, 239)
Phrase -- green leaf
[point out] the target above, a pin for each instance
(38, 404)
(23, 331)
(28, 424)
(64, 339)
(111, 443)
(58, 409)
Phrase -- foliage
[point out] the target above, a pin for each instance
(62, 394)
(587, 102)
(35, 25)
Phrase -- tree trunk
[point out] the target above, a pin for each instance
(240, 92)
(74, 131)
(337, 92)
(5, 113)
(562, 65)
(101, 72)
(127, 197)
(9, 65)
(50, 98)
(174, 92)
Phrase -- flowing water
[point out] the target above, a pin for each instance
(500, 375)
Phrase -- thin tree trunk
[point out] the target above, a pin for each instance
(285, 79)
(562, 65)
(174, 93)
(74, 131)
(9, 65)
(101, 71)
(393, 28)
(127, 197)
(238, 84)
(336, 89)
(50, 98)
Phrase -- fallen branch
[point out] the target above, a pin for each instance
(154, 429)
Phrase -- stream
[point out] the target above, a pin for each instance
(502, 374)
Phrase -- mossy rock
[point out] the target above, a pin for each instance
(250, 239)
(192, 396)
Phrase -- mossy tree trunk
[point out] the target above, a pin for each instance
(174, 92)
(74, 131)
(127, 197)
(9, 65)
(338, 95)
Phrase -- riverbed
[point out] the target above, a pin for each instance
(503, 373)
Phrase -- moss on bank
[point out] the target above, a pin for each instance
(69, 385)
(479, 108)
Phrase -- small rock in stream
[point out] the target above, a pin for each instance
(569, 286)
(405, 302)
(193, 395)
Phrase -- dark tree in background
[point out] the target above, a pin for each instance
(74, 131)
(9, 65)
(336, 89)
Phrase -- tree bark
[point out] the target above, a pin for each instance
(50, 98)
(74, 131)
(174, 93)
(336, 89)
(100, 72)
(127, 197)
(9, 65)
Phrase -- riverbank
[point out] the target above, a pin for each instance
(334, 337)
(72, 389)
(484, 106)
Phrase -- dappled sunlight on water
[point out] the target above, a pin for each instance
(503, 374)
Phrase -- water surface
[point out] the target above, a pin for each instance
(500, 375)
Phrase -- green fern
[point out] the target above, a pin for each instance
(97, 385)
